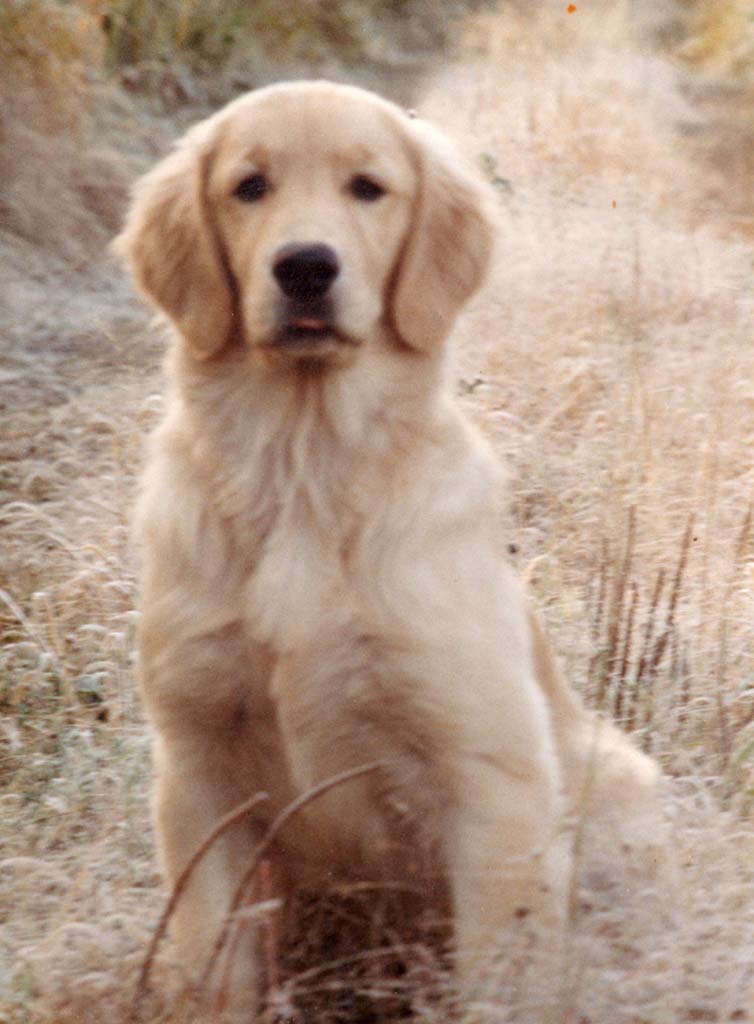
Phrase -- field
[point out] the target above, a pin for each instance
(610, 362)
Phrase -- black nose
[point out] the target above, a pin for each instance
(306, 271)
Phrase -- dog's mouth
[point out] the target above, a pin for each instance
(305, 330)
(311, 336)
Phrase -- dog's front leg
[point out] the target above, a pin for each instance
(215, 736)
(189, 802)
(495, 763)
(509, 870)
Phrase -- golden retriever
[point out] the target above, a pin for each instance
(326, 581)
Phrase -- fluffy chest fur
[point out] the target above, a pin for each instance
(316, 486)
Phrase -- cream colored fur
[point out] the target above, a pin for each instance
(325, 577)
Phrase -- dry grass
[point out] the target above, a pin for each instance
(720, 37)
(610, 361)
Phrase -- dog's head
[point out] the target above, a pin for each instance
(304, 220)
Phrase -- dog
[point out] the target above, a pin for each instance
(326, 582)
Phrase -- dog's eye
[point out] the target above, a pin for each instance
(252, 188)
(364, 188)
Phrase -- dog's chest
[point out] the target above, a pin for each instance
(298, 582)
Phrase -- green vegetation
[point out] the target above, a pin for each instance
(41, 36)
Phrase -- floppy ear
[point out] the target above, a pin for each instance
(170, 245)
(449, 245)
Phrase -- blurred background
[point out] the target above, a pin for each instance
(92, 91)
